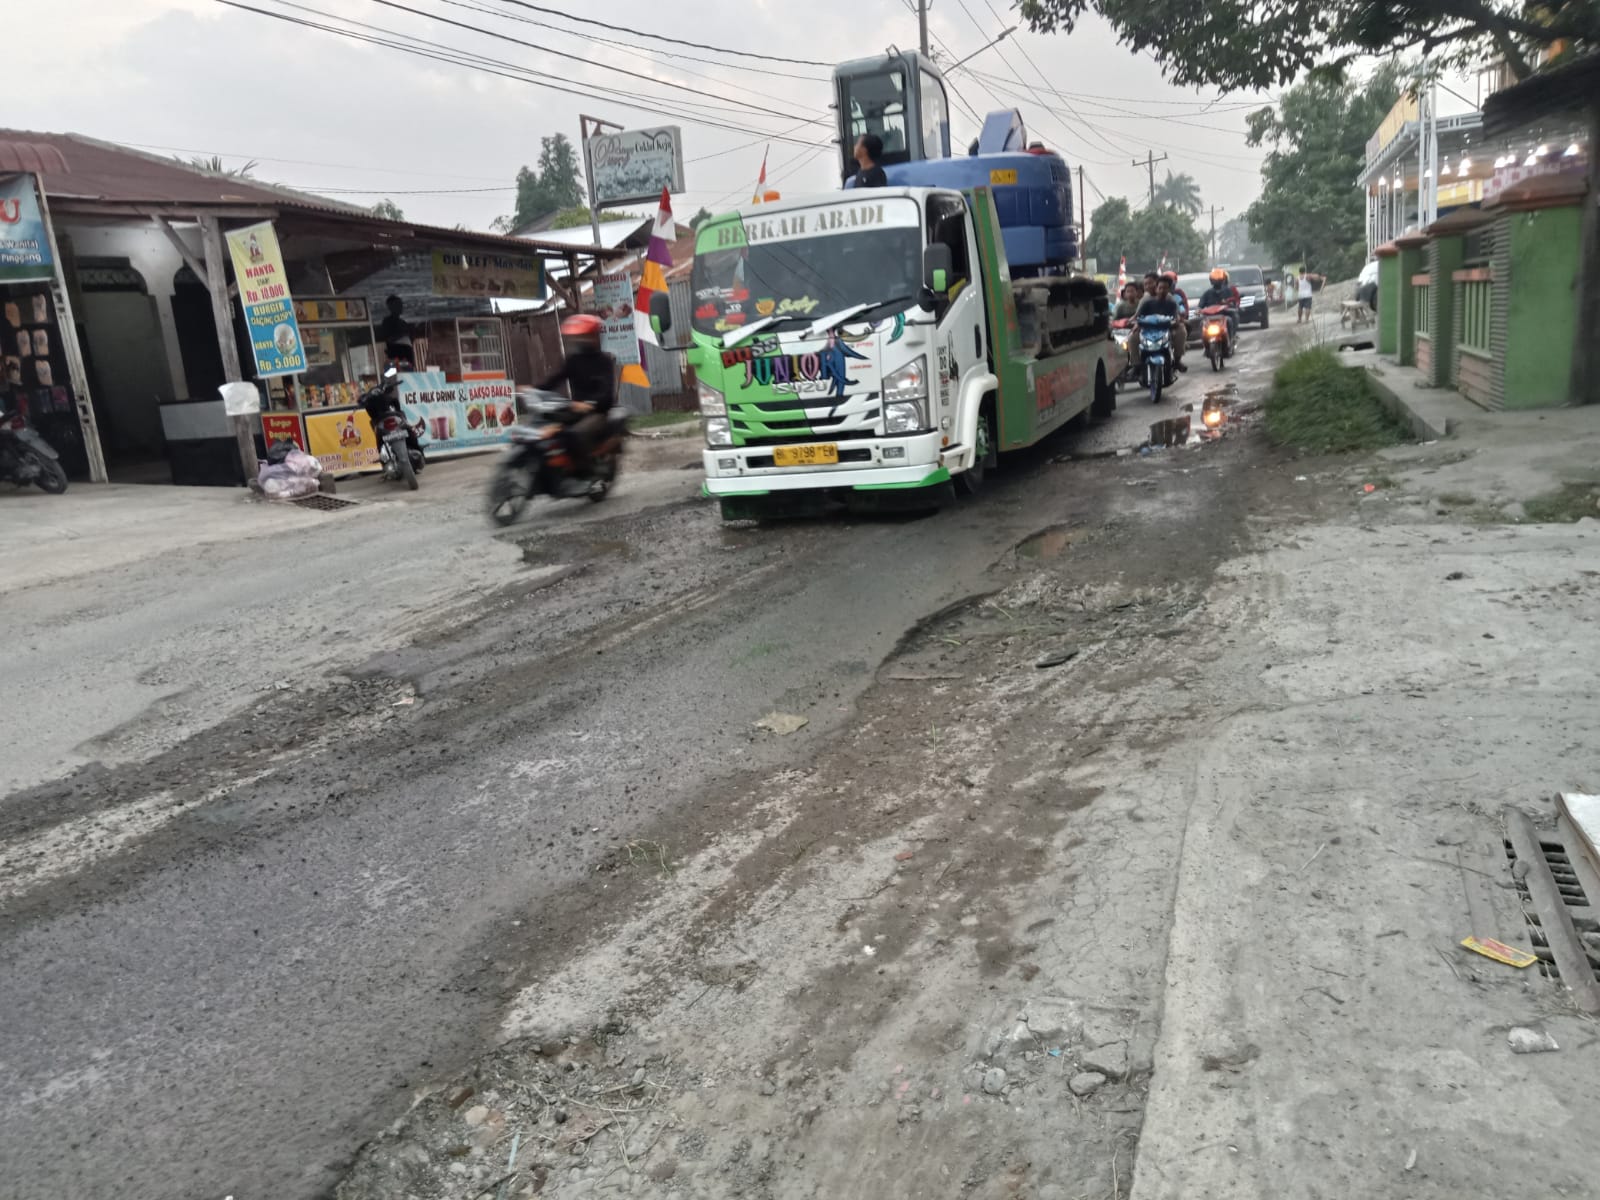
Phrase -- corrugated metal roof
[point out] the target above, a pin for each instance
(105, 173)
(612, 233)
(1564, 89)
(35, 158)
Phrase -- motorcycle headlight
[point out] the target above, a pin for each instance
(1214, 330)
(905, 393)
(712, 403)
(718, 431)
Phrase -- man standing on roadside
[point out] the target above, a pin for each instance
(1306, 277)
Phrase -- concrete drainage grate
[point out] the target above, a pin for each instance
(323, 503)
(1555, 886)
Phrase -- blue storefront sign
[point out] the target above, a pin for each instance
(24, 245)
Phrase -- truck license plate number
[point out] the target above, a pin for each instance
(818, 455)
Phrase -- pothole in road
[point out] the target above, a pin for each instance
(1051, 542)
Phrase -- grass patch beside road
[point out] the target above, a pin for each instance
(1571, 502)
(1321, 406)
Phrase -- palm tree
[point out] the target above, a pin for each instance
(1180, 192)
(213, 166)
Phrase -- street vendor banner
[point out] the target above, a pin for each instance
(496, 276)
(268, 307)
(458, 418)
(613, 304)
(24, 245)
(341, 441)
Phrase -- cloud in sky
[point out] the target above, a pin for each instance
(362, 122)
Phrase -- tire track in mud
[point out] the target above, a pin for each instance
(839, 953)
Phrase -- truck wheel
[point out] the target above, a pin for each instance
(1105, 396)
(970, 481)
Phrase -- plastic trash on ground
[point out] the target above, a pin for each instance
(289, 474)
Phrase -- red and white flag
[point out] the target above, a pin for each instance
(761, 182)
(1122, 274)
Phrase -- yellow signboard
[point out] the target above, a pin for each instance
(509, 276)
(342, 441)
(1405, 109)
(1002, 178)
(268, 307)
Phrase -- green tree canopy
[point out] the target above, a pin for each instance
(1144, 236)
(1180, 192)
(1309, 209)
(212, 165)
(1233, 44)
(388, 209)
(555, 184)
(1235, 245)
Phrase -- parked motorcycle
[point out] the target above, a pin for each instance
(1122, 333)
(26, 458)
(1214, 333)
(399, 442)
(1155, 353)
(539, 458)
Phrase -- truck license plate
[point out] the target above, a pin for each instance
(1002, 178)
(805, 456)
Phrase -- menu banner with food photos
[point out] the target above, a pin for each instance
(268, 307)
(613, 304)
(24, 245)
(458, 418)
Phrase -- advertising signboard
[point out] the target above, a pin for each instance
(635, 164)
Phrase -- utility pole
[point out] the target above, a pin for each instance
(588, 127)
(922, 26)
(1083, 219)
(1149, 161)
(1215, 209)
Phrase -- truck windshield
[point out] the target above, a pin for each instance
(804, 264)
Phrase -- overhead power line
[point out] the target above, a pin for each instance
(766, 71)
(514, 72)
(659, 37)
(588, 62)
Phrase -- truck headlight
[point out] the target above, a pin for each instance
(905, 394)
(718, 432)
(711, 402)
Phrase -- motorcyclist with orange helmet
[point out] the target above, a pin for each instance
(1224, 293)
(590, 375)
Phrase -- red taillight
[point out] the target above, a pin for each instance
(391, 423)
(19, 422)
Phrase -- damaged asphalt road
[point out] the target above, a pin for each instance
(229, 965)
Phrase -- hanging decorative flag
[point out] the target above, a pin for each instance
(652, 279)
(1163, 267)
(1122, 274)
(761, 182)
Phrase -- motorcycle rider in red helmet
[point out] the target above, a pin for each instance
(591, 375)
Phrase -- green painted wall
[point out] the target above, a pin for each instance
(1389, 304)
(1450, 252)
(1409, 264)
(1542, 307)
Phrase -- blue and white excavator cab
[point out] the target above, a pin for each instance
(900, 96)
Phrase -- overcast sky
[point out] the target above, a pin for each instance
(362, 122)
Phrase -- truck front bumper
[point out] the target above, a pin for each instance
(915, 461)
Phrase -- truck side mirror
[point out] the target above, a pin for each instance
(660, 312)
(936, 267)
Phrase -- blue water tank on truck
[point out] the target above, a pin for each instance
(900, 97)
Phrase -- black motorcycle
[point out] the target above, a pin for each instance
(540, 458)
(399, 443)
(1217, 336)
(26, 458)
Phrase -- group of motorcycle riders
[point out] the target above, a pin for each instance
(1159, 295)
